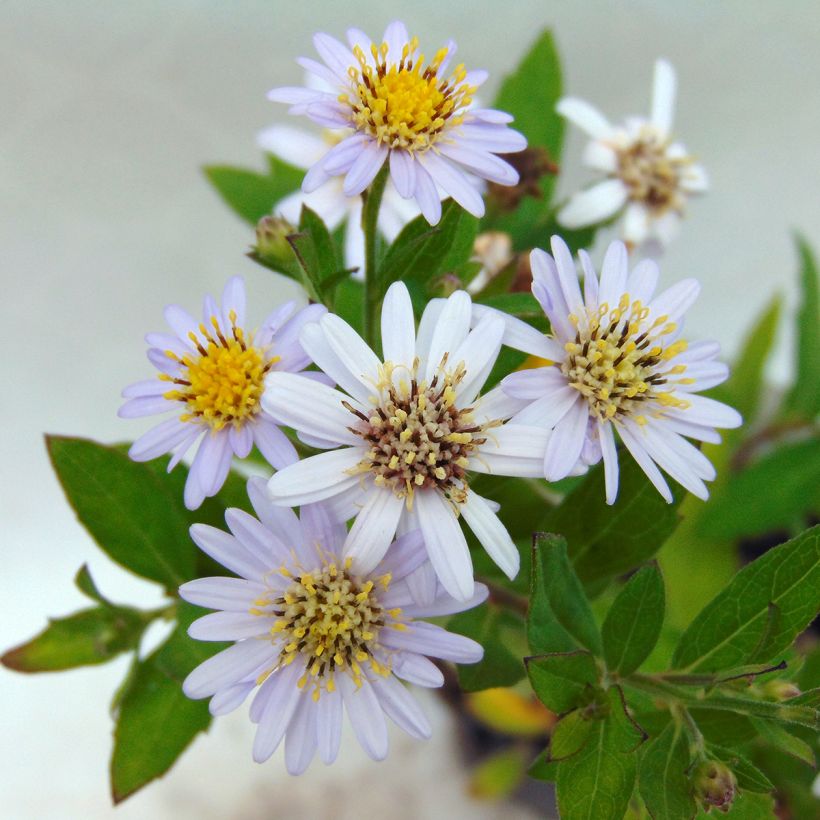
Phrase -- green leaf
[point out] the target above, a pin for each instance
(782, 712)
(85, 583)
(348, 302)
(422, 252)
(496, 630)
(87, 637)
(130, 512)
(530, 94)
(155, 723)
(570, 735)
(784, 740)
(774, 492)
(250, 194)
(804, 398)
(316, 253)
(597, 783)
(563, 680)
(608, 540)
(662, 778)
(565, 594)
(748, 776)
(762, 610)
(726, 728)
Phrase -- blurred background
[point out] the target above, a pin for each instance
(108, 112)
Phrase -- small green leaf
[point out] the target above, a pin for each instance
(662, 778)
(422, 252)
(597, 783)
(782, 712)
(496, 630)
(634, 621)
(608, 540)
(348, 302)
(748, 776)
(316, 253)
(784, 740)
(804, 398)
(760, 613)
(130, 512)
(563, 680)
(155, 723)
(569, 735)
(250, 194)
(566, 595)
(87, 637)
(544, 632)
(85, 583)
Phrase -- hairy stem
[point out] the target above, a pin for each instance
(372, 199)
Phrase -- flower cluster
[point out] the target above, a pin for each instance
(326, 610)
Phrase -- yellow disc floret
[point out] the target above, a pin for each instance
(619, 361)
(405, 104)
(223, 384)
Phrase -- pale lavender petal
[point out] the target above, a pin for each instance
(401, 707)
(566, 442)
(365, 167)
(403, 173)
(159, 440)
(226, 668)
(366, 716)
(434, 642)
(373, 530)
(274, 445)
(282, 702)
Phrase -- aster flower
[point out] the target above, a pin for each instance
(302, 149)
(649, 176)
(397, 109)
(211, 376)
(313, 637)
(411, 428)
(618, 363)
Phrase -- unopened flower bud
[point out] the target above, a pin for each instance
(779, 690)
(714, 785)
(494, 251)
(272, 246)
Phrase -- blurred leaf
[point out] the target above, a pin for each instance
(598, 781)
(507, 711)
(496, 630)
(250, 194)
(424, 252)
(85, 583)
(498, 776)
(565, 594)
(607, 540)
(748, 776)
(87, 637)
(634, 621)
(180, 653)
(530, 94)
(570, 735)
(130, 512)
(544, 632)
(804, 398)
(784, 740)
(781, 712)
(563, 681)
(155, 723)
(348, 302)
(762, 610)
(725, 728)
(662, 778)
(772, 493)
(317, 255)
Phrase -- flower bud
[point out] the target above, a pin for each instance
(714, 785)
(779, 690)
(272, 246)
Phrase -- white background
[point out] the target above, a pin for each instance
(107, 110)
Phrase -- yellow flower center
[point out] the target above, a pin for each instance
(417, 436)
(405, 105)
(224, 383)
(650, 174)
(331, 619)
(618, 361)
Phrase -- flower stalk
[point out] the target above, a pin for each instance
(372, 199)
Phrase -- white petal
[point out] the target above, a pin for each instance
(338, 57)
(614, 273)
(401, 707)
(435, 642)
(478, 352)
(329, 725)
(364, 169)
(453, 181)
(403, 173)
(636, 225)
(146, 406)
(266, 546)
(672, 463)
(396, 37)
(405, 555)
(636, 448)
(231, 594)
(373, 530)
(567, 274)
(351, 350)
(610, 456)
(708, 412)
(521, 336)
(159, 440)
(643, 280)
(495, 405)
(445, 605)
(417, 669)
(366, 716)
(279, 520)
(227, 667)
(675, 301)
(225, 549)
(427, 196)
(226, 700)
(664, 87)
(694, 179)
(600, 156)
(492, 534)
(230, 626)
(566, 442)
(451, 329)
(481, 163)
(593, 205)
(282, 702)
(534, 383)
(445, 542)
(300, 740)
(292, 145)
(340, 158)
(315, 478)
(549, 410)
(274, 445)
(585, 116)
(398, 326)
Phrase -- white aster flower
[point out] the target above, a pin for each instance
(649, 176)
(313, 636)
(618, 363)
(394, 107)
(211, 376)
(411, 426)
(303, 149)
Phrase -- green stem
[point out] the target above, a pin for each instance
(372, 199)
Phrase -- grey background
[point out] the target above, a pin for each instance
(108, 109)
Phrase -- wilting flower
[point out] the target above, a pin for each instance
(212, 377)
(618, 363)
(395, 108)
(649, 176)
(313, 636)
(302, 149)
(412, 426)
